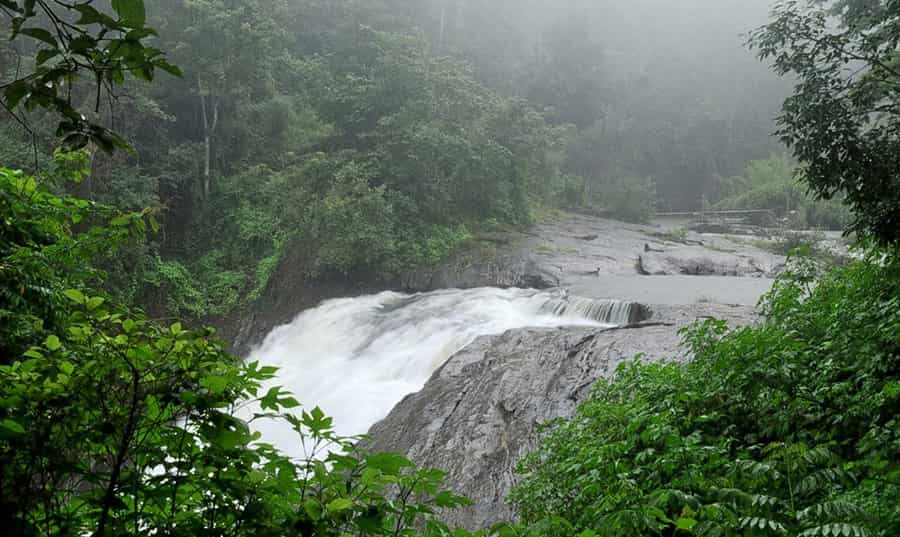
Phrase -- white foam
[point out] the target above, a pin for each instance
(356, 358)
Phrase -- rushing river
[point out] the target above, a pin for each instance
(356, 358)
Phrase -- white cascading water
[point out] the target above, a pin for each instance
(356, 358)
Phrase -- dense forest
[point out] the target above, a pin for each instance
(438, 119)
(161, 161)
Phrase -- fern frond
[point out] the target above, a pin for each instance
(758, 470)
(835, 510)
(763, 500)
(820, 456)
(734, 496)
(824, 480)
(763, 524)
(839, 529)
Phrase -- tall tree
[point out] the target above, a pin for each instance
(843, 119)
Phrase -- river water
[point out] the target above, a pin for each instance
(356, 358)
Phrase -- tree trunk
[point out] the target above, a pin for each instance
(440, 45)
(209, 128)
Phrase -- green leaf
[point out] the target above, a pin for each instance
(41, 35)
(15, 93)
(82, 44)
(268, 371)
(131, 11)
(312, 509)
(685, 524)
(13, 426)
(90, 15)
(315, 420)
(121, 220)
(75, 296)
(95, 302)
(172, 69)
(448, 499)
(214, 383)
(45, 55)
(340, 504)
(388, 463)
(52, 343)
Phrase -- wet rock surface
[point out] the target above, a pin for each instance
(482, 410)
(575, 250)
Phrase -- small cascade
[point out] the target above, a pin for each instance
(605, 311)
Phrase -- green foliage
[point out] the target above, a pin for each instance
(841, 121)
(355, 151)
(354, 225)
(573, 190)
(174, 284)
(111, 424)
(773, 184)
(628, 198)
(810, 247)
(787, 428)
(37, 245)
(673, 235)
(74, 40)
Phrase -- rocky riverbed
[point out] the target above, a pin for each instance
(599, 258)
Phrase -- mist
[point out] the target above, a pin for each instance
(665, 92)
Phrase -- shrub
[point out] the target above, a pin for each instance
(772, 184)
(787, 428)
(630, 199)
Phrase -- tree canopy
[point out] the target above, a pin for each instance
(841, 122)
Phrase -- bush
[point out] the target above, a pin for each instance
(788, 428)
(354, 225)
(572, 191)
(772, 184)
(630, 199)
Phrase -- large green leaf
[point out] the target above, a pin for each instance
(389, 463)
(131, 11)
(40, 34)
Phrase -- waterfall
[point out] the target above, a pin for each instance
(607, 311)
(356, 358)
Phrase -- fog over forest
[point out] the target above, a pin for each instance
(667, 90)
(450, 268)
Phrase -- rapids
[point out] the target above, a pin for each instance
(356, 358)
